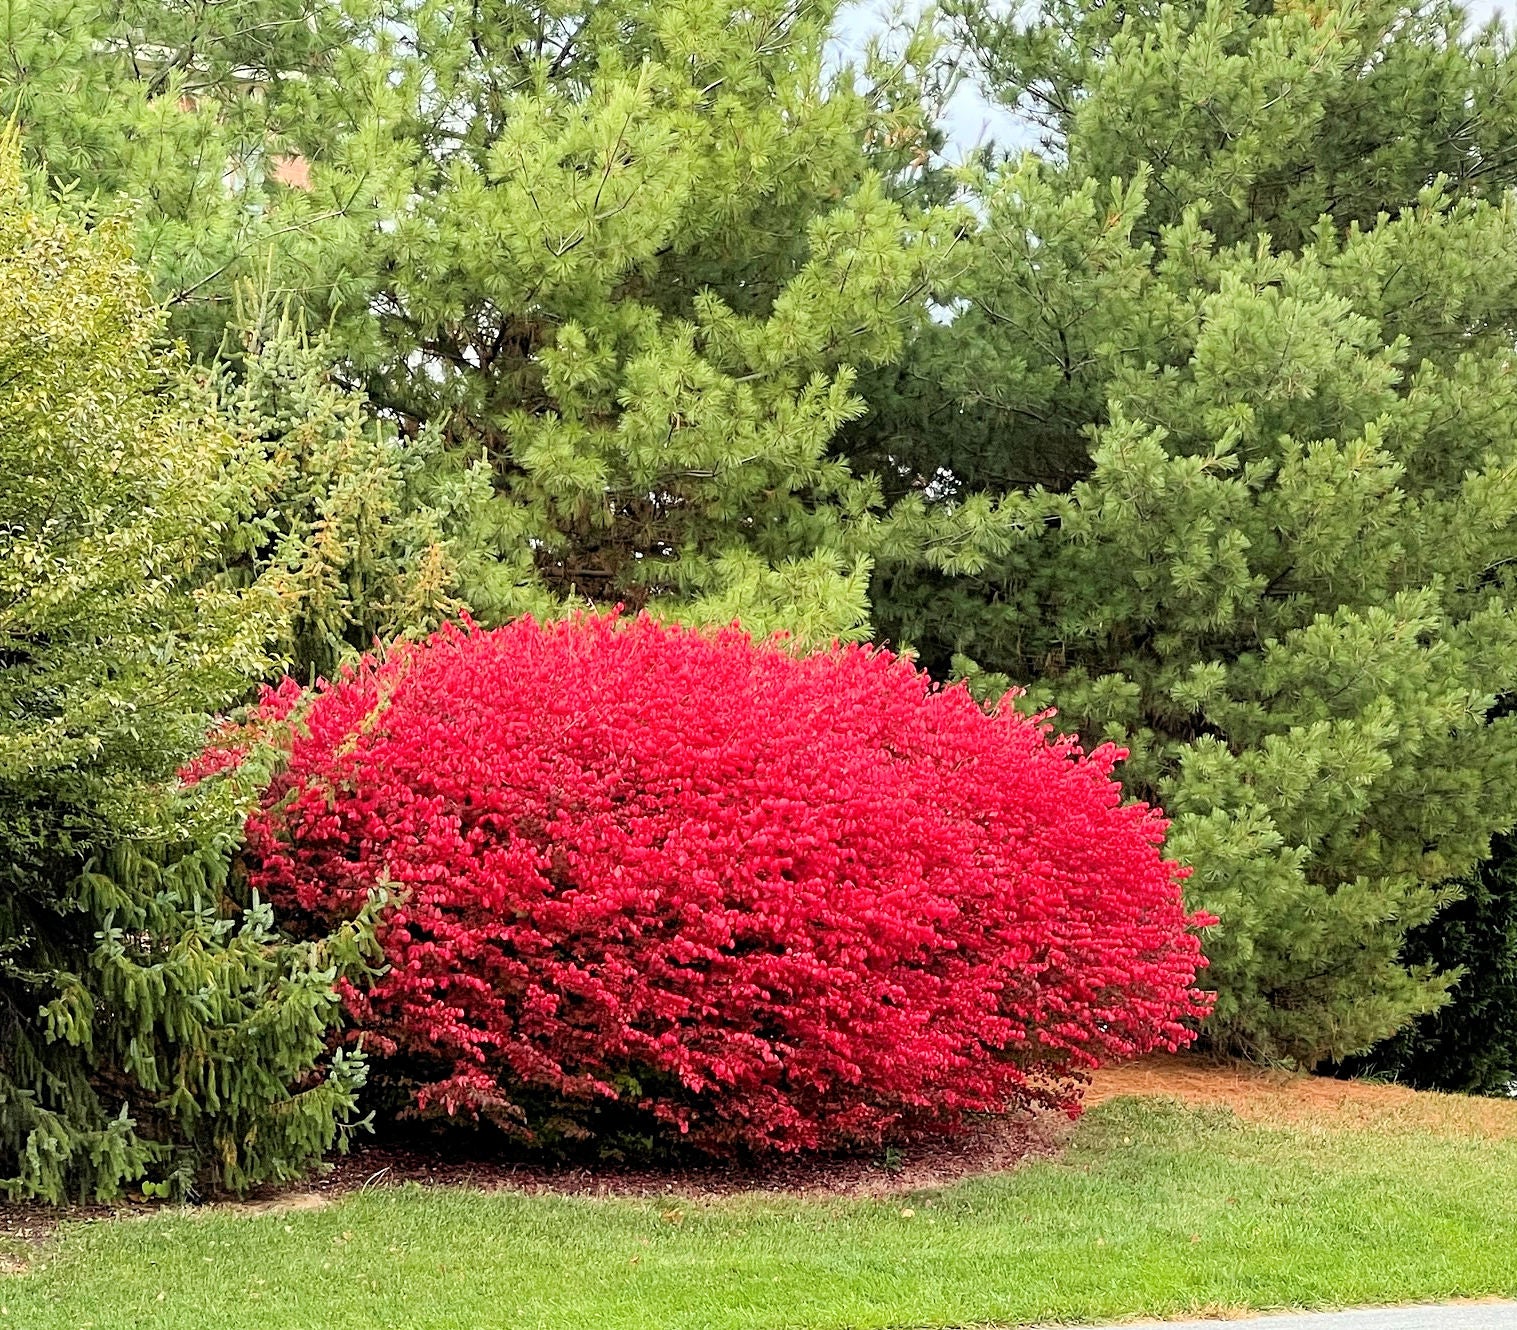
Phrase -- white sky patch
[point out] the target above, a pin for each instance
(970, 118)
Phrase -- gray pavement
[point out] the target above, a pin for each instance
(1452, 1316)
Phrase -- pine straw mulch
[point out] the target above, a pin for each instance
(1318, 1103)
(1256, 1094)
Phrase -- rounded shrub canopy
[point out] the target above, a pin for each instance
(746, 897)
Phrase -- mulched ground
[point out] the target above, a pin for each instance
(24, 1228)
(990, 1148)
(1319, 1103)
(1255, 1094)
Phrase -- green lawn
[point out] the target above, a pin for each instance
(1154, 1210)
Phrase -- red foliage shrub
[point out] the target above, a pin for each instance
(763, 900)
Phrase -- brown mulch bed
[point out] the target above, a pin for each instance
(990, 1148)
(933, 1162)
(26, 1227)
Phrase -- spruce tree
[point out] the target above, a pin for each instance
(1221, 446)
(357, 534)
(153, 1028)
(629, 256)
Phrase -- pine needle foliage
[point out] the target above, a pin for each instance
(630, 256)
(1222, 450)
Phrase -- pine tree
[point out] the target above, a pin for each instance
(154, 1030)
(1269, 115)
(1221, 448)
(631, 256)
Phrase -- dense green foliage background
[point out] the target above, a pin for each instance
(1197, 421)
(1470, 1045)
(1235, 361)
(627, 259)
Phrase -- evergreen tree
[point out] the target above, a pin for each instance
(153, 1030)
(358, 535)
(1470, 1045)
(629, 255)
(1221, 449)
(1269, 115)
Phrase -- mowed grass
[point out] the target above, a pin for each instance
(1155, 1209)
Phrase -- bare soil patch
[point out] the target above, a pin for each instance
(25, 1227)
(1280, 1098)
